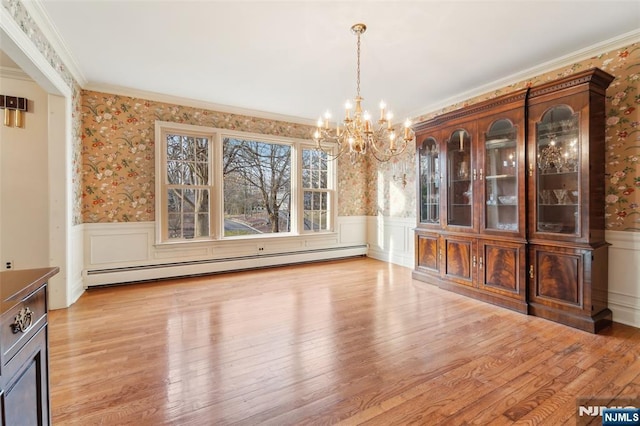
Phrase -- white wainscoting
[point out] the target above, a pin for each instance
(624, 276)
(123, 252)
(391, 239)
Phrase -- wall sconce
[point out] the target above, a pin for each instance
(15, 104)
(400, 173)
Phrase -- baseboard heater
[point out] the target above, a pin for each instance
(153, 272)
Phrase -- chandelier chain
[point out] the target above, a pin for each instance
(358, 70)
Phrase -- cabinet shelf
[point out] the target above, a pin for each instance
(498, 177)
(557, 134)
(559, 173)
(500, 143)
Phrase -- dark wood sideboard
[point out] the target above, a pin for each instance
(24, 372)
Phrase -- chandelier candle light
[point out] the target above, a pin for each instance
(358, 133)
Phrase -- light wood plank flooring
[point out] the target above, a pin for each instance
(353, 342)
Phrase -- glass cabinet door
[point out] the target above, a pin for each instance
(501, 178)
(429, 178)
(557, 180)
(459, 183)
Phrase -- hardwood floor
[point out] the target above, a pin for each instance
(352, 342)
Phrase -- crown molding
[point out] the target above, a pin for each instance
(578, 56)
(195, 103)
(41, 18)
(26, 55)
(14, 73)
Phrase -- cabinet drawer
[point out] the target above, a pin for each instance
(20, 323)
(25, 383)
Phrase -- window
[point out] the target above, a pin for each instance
(218, 184)
(315, 175)
(187, 185)
(257, 187)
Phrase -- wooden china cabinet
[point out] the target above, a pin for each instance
(470, 236)
(568, 263)
(511, 209)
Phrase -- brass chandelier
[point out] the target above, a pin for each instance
(358, 134)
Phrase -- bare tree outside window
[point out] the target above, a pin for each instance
(187, 178)
(257, 187)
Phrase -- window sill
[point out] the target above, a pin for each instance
(244, 240)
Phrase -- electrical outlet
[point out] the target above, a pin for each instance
(8, 265)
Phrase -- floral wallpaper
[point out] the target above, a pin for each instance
(118, 149)
(352, 187)
(622, 142)
(118, 154)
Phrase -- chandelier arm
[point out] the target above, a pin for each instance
(380, 159)
(326, 138)
(329, 154)
(374, 145)
(380, 136)
(401, 150)
(375, 151)
(332, 157)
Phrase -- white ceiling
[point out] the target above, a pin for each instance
(299, 58)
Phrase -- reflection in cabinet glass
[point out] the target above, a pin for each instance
(460, 188)
(557, 156)
(501, 181)
(429, 181)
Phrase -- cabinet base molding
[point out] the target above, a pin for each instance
(494, 299)
(592, 324)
